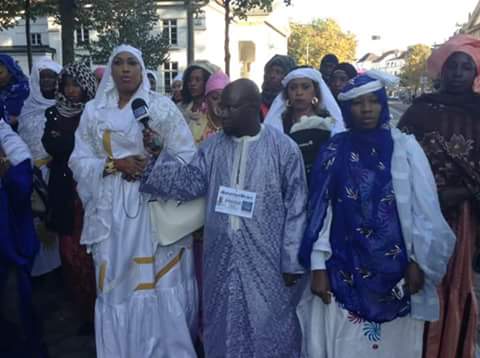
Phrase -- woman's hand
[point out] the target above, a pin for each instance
(131, 167)
(414, 278)
(320, 286)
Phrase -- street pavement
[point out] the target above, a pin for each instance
(397, 108)
(61, 321)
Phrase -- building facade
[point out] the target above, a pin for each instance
(391, 62)
(252, 42)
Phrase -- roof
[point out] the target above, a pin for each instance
(368, 57)
(385, 54)
(23, 49)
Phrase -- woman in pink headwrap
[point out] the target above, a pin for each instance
(447, 125)
(99, 73)
(210, 123)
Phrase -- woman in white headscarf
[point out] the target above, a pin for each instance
(31, 124)
(43, 82)
(153, 79)
(307, 111)
(146, 293)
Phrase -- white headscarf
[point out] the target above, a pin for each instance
(178, 77)
(35, 100)
(154, 75)
(14, 147)
(107, 94)
(274, 116)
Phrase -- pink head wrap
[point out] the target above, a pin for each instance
(99, 72)
(458, 43)
(217, 81)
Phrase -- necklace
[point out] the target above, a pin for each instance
(212, 124)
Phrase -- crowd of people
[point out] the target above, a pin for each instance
(229, 221)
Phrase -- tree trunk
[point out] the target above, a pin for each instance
(227, 36)
(28, 36)
(67, 21)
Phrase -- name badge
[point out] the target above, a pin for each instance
(235, 202)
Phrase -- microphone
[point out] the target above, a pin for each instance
(140, 112)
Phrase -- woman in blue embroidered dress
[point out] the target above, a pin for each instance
(376, 242)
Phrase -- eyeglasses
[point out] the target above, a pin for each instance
(225, 111)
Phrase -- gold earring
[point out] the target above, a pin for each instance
(315, 101)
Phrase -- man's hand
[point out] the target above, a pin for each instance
(290, 279)
(414, 278)
(132, 167)
(320, 286)
(149, 137)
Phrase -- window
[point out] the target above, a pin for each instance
(170, 71)
(82, 35)
(170, 32)
(199, 20)
(36, 38)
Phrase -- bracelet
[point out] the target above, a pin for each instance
(109, 167)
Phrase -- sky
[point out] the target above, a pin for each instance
(399, 23)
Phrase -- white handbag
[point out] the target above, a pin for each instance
(172, 220)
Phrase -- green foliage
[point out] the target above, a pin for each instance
(309, 43)
(241, 8)
(415, 66)
(11, 11)
(130, 22)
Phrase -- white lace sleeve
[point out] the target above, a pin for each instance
(168, 121)
(94, 190)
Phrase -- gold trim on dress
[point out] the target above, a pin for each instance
(107, 142)
(101, 276)
(144, 260)
(166, 269)
(41, 162)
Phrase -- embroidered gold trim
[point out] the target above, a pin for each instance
(107, 143)
(41, 162)
(144, 260)
(166, 269)
(101, 276)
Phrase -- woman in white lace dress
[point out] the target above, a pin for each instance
(146, 294)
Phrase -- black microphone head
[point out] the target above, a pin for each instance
(139, 109)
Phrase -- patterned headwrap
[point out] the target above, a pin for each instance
(353, 176)
(84, 77)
